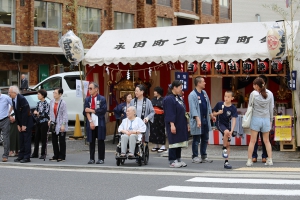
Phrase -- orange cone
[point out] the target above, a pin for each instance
(77, 130)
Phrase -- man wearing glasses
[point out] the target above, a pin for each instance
(94, 110)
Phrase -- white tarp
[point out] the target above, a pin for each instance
(182, 43)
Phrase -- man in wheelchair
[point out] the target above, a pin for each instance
(131, 129)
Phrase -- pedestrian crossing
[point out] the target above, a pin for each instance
(245, 186)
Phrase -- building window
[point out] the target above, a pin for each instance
(164, 2)
(47, 15)
(187, 4)
(207, 7)
(149, 2)
(123, 21)
(224, 9)
(7, 14)
(89, 20)
(162, 21)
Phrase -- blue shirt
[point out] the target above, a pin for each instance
(202, 103)
(228, 113)
(5, 101)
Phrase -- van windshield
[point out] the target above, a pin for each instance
(71, 81)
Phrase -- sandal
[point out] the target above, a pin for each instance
(130, 155)
(154, 149)
(123, 155)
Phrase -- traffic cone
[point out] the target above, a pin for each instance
(77, 130)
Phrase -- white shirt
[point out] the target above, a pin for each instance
(136, 125)
(5, 101)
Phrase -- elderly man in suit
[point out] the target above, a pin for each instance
(24, 83)
(24, 121)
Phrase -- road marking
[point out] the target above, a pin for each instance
(217, 190)
(269, 169)
(249, 181)
(162, 198)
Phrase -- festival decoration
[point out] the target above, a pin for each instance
(192, 67)
(72, 47)
(205, 67)
(220, 67)
(276, 41)
(233, 66)
(128, 75)
(248, 67)
(150, 70)
(276, 65)
(262, 66)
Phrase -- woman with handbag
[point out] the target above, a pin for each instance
(262, 117)
(58, 125)
(41, 115)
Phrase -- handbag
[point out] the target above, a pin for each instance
(53, 124)
(248, 115)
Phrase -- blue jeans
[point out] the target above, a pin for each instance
(204, 140)
(264, 151)
(174, 154)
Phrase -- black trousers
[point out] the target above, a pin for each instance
(59, 150)
(40, 135)
(101, 146)
(25, 144)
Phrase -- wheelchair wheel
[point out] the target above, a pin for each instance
(118, 162)
(146, 155)
(122, 161)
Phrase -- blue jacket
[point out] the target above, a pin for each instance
(195, 111)
(100, 112)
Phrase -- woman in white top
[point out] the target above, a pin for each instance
(131, 127)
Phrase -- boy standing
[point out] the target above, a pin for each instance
(225, 113)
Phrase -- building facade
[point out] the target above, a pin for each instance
(30, 30)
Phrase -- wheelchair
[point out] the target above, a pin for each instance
(141, 152)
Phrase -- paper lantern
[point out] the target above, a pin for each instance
(192, 67)
(220, 67)
(263, 66)
(72, 47)
(248, 67)
(276, 42)
(276, 65)
(233, 66)
(205, 67)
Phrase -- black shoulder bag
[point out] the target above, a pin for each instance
(53, 124)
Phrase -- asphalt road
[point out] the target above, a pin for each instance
(23, 182)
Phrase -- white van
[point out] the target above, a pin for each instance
(67, 81)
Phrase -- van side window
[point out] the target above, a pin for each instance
(51, 84)
(71, 81)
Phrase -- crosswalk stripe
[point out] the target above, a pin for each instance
(217, 190)
(162, 198)
(249, 181)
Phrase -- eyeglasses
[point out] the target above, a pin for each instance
(91, 88)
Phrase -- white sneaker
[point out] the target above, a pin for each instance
(175, 164)
(206, 160)
(183, 164)
(196, 160)
(269, 161)
(249, 162)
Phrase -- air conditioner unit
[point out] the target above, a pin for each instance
(17, 57)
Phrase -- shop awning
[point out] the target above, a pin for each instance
(182, 43)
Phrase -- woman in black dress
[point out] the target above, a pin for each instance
(157, 128)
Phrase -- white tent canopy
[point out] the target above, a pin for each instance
(182, 43)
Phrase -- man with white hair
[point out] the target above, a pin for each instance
(24, 82)
(5, 101)
(24, 121)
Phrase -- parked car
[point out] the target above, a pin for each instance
(67, 81)
(31, 97)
